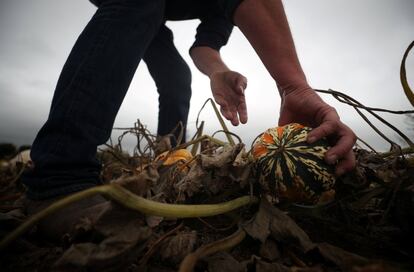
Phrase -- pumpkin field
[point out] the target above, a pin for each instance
(218, 205)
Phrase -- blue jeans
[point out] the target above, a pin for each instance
(91, 87)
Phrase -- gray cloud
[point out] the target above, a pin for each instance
(352, 46)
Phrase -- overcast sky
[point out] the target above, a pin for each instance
(351, 46)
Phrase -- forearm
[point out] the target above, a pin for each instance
(265, 25)
(208, 60)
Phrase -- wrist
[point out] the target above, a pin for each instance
(293, 86)
(218, 72)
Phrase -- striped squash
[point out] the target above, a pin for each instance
(289, 168)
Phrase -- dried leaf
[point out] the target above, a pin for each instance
(270, 221)
(224, 156)
(223, 261)
(175, 248)
(11, 219)
(153, 221)
(242, 158)
(192, 183)
(114, 253)
(404, 209)
(262, 266)
(163, 144)
(141, 183)
(115, 219)
(269, 250)
(341, 258)
(38, 259)
(376, 267)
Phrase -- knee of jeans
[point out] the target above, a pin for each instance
(175, 95)
(177, 85)
(182, 76)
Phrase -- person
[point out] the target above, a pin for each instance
(99, 69)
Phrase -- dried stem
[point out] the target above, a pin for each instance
(155, 245)
(198, 135)
(340, 97)
(228, 132)
(216, 228)
(354, 103)
(403, 151)
(118, 158)
(377, 130)
(199, 139)
(366, 144)
(223, 125)
(189, 262)
(142, 129)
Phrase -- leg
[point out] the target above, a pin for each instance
(172, 77)
(89, 92)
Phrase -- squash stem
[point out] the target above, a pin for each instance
(129, 200)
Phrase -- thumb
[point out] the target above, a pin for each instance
(284, 117)
(240, 83)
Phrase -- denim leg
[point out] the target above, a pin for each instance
(89, 92)
(172, 77)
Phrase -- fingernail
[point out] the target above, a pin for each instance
(332, 159)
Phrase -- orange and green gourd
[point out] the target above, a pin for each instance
(291, 169)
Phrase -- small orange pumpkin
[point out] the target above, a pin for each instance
(181, 157)
(172, 157)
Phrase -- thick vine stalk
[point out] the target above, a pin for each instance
(129, 200)
(403, 76)
(189, 262)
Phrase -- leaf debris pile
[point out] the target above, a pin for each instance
(368, 227)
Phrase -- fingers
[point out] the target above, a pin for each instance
(230, 97)
(326, 129)
(346, 164)
(242, 107)
(345, 142)
(230, 113)
(341, 152)
(233, 114)
(240, 84)
(242, 111)
(224, 109)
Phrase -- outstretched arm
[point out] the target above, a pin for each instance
(227, 86)
(264, 24)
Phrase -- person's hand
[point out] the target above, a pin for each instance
(306, 107)
(228, 91)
